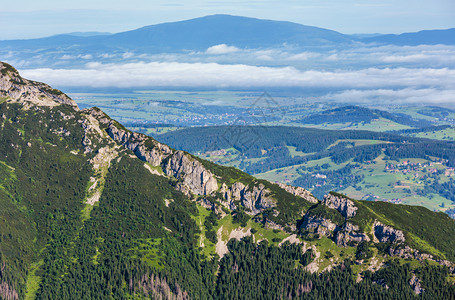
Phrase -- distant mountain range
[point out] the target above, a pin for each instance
(242, 32)
(86, 33)
(424, 37)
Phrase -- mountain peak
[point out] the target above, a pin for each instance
(17, 89)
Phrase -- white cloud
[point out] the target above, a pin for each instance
(166, 74)
(66, 56)
(420, 57)
(333, 57)
(127, 55)
(107, 55)
(265, 57)
(221, 49)
(303, 56)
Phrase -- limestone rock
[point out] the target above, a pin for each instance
(345, 206)
(255, 199)
(193, 176)
(386, 233)
(191, 172)
(350, 234)
(227, 200)
(414, 282)
(403, 251)
(29, 93)
(298, 191)
(98, 114)
(318, 225)
(136, 143)
(269, 224)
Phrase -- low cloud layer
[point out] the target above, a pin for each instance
(357, 74)
(222, 49)
(174, 74)
(365, 85)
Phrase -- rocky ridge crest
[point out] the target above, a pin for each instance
(192, 176)
(299, 191)
(27, 92)
(344, 205)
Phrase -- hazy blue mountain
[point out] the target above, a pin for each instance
(88, 33)
(424, 37)
(243, 32)
(198, 34)
(365, 35)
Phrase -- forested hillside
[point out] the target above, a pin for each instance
(363, 164)
(91, 210)
(357, 114)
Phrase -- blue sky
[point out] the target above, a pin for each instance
(28, 19)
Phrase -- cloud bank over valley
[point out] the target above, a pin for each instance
(356, 74)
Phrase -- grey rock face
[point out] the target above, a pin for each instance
(350, 234)
(227, 200)
(403, 251)
(269, 224)
(318, 225)
(406, 252)
(414, 282)
(255, 199)
(386, 233)
(192, 173)
(29, 93)
(136, 143)
(298, 191)
(98, 115)
(345, 206)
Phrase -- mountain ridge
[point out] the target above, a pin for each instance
(83, 197)
(198, 34)
(425, 37)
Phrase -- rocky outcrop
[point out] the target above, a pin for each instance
(191, 172)
(414, 282)
(192, 175)
(298, 191)
(318, 225)
(98, 114)
(136, 142)
(406, 252)
(27, 92)
(255, 199)
(386, 234)
(269, 224)
(345, 206)
(350, 235)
